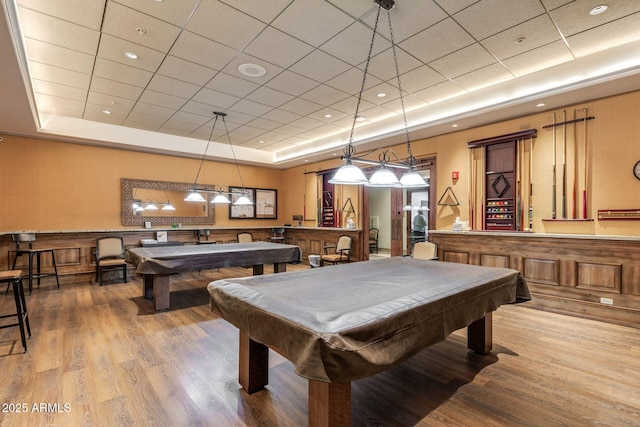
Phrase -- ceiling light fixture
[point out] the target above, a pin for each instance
(151, 205)
(252, 70)
(350, 174)
(221, 192)
(131, 55)
(598, 10)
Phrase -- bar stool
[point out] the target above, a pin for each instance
(29, 238)
(15, 277)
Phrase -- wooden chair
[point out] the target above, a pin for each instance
(14, 277)
(342, 251)
(425, 250)
(245, 238)
(110, 256)
(373, 239)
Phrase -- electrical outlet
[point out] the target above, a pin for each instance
(607, 301)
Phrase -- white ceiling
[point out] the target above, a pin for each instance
(466, 62)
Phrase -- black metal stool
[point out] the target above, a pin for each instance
(15, 277)
(32, 252)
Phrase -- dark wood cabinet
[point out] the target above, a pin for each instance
(500, 187)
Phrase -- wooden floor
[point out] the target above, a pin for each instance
(100, 356)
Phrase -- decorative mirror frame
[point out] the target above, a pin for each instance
(129, 218)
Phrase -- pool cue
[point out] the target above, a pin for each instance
(531, 184)
(553, 192)
(574, 200)
(564, 164)
(584, 190)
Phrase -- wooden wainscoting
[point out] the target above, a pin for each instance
(592, 277)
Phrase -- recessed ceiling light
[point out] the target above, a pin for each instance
(131, 55)
(327, 116)
(159, 1)
(540, 104)
(598, 10)
(381, 95)
(261, 142)
(455, 125)
(107, 112)
(360, 119)
(252, 70)
(520, 40)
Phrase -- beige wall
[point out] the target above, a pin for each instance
(50, 185)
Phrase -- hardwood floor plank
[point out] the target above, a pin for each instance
(117, 362)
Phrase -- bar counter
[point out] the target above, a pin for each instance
(591, 276)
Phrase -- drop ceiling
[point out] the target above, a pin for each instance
(462, 62)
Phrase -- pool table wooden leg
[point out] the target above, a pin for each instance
(253, 364)
(329, 404)
(480, 335)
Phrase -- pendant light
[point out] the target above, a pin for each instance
(350, 174)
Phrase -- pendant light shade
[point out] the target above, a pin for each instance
(168, 207)
(349, 174)
(220, 199)
(413, 179)
(194, 196)
(243, 200)
(383, 177)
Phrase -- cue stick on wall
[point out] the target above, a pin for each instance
(531, 184)
(575, 167)
(584, 190)
(564, 164)
(553, 190)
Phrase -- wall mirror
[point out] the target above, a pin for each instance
(161, 192)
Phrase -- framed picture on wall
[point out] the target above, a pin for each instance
(266, 203)
(242, 211)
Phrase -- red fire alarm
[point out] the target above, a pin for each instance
(455, 175)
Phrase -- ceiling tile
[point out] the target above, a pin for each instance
(52, 30)
(277, 47)
(48, 101)
(419, 78)
(229, 26)
(538, 59)
(109, 87)
(453, 6)
(122, 73)
(187, 71)
(67, 59)
(383, 64)
(141, 119)
(197, 108)
(440, 92)
(174, 12)
(574, 17)
(194, 119)
(463, 61)
(280, 115)
(268, 96)
(83, 12)
(320, 66)
(114, 49)
(348, 106)
(324, 95)
(407, 21)
(58, 111)
(605, 36)
(218, 99)
(264, 11)
(162, 99)
(59, 75)
(437, 41)
(355, 8)
(352, 44)
(58, 90)
(537, 32)
(264, 124)
(226, 83)
(350, 81)
(307, 123)
(173, 87)
(484, 77)
(184, 127)
(312, 21)
(110, 102)
(96, 112)
(129, 24)
(489, 17)
(252, 108)
(201, 50)
(291, 83)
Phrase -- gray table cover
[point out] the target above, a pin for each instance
(346, 322)
(176, 259)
